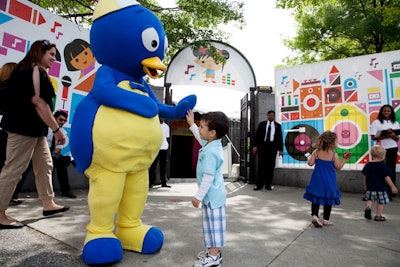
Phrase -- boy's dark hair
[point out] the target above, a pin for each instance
(59, 113)
(271, 111)
(218, 122)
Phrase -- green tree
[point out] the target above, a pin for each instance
(190, 21)
(335, 29)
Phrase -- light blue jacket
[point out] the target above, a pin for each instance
(210, 161)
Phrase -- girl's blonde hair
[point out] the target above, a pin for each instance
(6, 70)
(378, 153)
(326, 141)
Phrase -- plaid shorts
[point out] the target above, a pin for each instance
(381, 196)
(214, 226)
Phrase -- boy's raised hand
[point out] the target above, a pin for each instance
(190, 117)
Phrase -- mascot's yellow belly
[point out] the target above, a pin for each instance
(123, 141)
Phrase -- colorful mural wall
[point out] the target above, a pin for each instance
(343, 96)
(22, 23)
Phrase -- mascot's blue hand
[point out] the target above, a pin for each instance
(184, 105)
(178, 111)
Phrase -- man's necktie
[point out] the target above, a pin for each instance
(268, 138)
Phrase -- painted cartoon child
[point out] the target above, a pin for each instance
(79, 56)
(205, 60)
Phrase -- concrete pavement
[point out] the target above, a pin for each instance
(264, 228)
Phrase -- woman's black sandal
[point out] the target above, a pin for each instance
(380, 219)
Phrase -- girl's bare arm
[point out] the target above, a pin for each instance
(312, 158)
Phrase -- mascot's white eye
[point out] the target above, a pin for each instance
(150, 39)
(165, 45)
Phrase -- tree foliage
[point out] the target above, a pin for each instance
(334, 29)
(190, 21)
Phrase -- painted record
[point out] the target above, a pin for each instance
(299, 140)
(333, 95)
(348, 133)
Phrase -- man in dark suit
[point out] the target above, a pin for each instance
(267, 144)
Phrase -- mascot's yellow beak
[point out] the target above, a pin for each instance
(151, 65)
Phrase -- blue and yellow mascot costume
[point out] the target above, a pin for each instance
(116, 132)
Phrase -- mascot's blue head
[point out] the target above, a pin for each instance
(128, 37)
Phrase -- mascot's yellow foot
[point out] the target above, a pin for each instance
(143, 239)
(101, 249)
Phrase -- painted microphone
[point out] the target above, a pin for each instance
(66, 82)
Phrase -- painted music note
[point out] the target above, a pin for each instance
(283, 80)
(188, 68)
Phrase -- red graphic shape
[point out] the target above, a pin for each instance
(24, 12)
(334, 70)
(364, 160)
(38, 18)
(87, 84)
(311, 102)
(294, 116)
(64, 96)
(351, 96)
(328, 109)
(56, 24)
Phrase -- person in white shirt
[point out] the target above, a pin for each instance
(387, 121)
(161, 158)
(61, 161)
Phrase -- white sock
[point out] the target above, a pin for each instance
(214, 257)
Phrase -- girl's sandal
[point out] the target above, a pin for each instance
(326, 223)
(316, 222)
(380, 219)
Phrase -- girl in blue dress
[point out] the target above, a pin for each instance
(323, 189)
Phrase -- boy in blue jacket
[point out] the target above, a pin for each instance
(211, 192)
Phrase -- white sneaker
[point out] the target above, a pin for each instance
(208, 261)
(202, 254)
